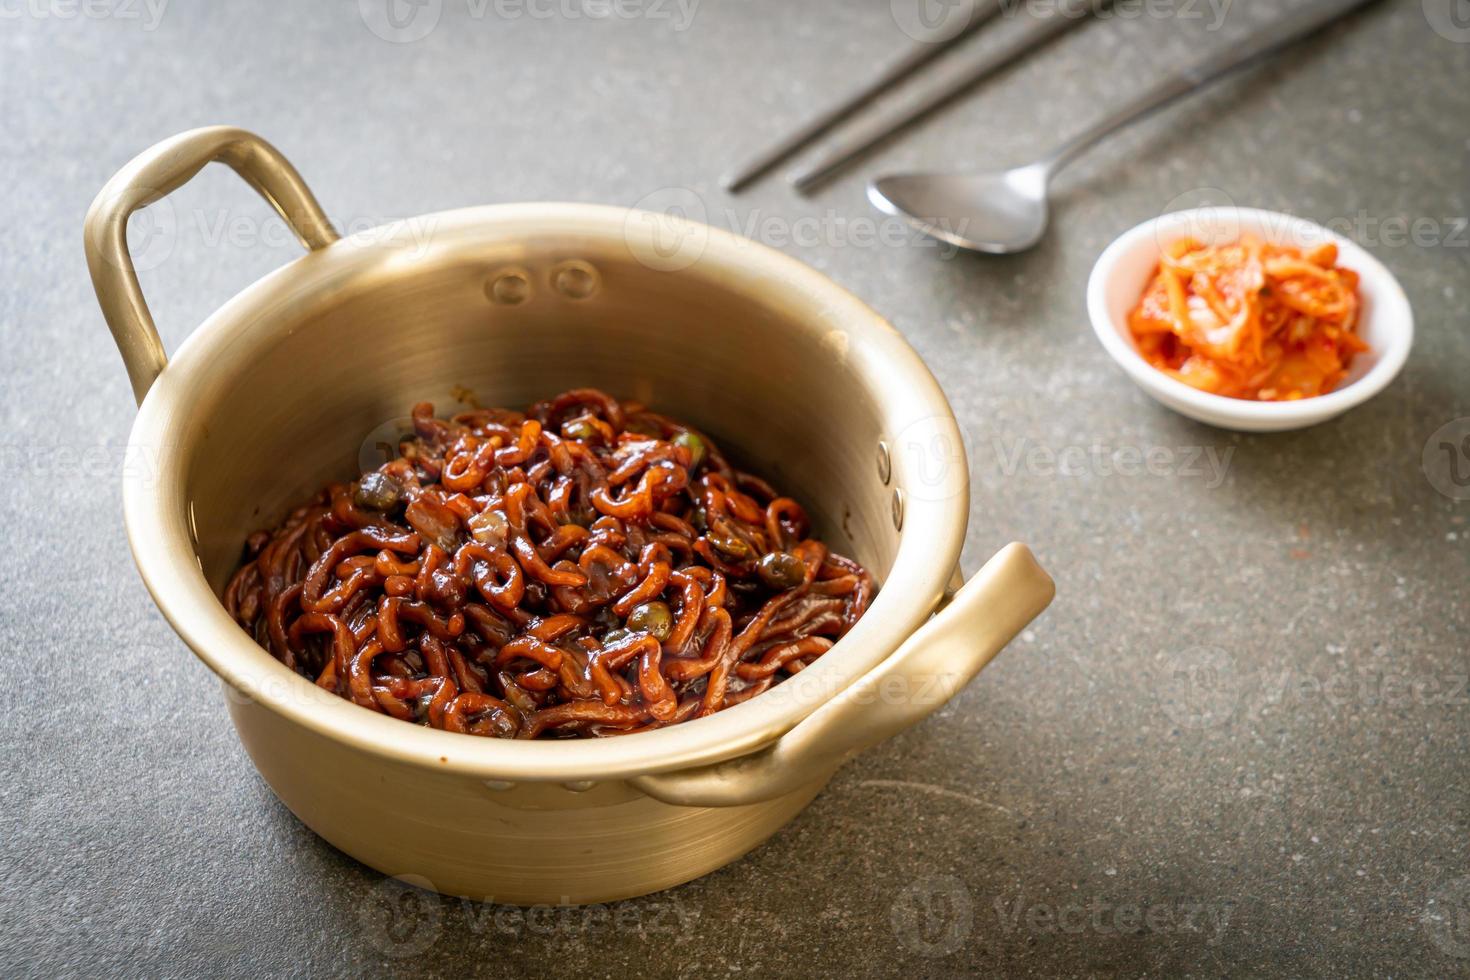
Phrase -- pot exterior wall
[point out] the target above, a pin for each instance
(520, 844)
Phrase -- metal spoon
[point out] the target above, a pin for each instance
(1006, 211)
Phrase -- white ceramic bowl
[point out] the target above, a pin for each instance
(1118, 279)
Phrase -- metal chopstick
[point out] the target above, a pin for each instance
(1047, 30)
(917, 58)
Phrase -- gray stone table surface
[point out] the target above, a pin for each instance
(1236, 744)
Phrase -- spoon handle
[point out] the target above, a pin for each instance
(1261, 44)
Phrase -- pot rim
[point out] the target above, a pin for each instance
(159, 519)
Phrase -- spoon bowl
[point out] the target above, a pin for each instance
(998, 213)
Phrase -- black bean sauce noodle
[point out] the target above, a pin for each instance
(586, 568)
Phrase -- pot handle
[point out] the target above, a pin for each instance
(151, 175)
(931, 666)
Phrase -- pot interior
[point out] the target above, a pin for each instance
(319, 378)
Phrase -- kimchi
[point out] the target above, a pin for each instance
(1250, 319)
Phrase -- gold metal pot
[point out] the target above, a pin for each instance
(274, 394)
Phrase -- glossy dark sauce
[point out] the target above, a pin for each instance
(585, 568)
